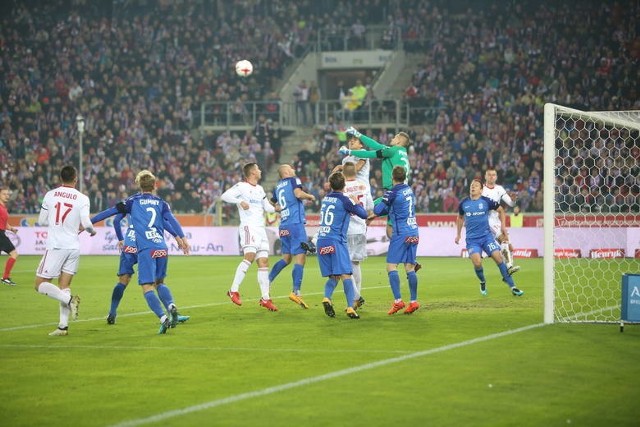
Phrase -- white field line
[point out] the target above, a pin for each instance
(141, 313)
(163, 416)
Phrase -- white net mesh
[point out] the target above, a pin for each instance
(597, 212)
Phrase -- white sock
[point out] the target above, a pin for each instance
(65, 311)
(52, 291)
(506, 252)
(357, 278)
(241, 271)
(263, 281)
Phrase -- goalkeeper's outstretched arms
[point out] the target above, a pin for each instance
(368, 142)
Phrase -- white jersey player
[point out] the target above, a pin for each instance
(65, 212)
(252, 204)
(497, 193)
(363, 166)
(359, 192)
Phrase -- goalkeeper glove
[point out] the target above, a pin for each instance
(344, 151)
(352, 133)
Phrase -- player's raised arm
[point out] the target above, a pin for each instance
(120, 207)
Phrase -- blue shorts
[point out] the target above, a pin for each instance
(402, 250)
(488, 244)
(333, 258)
(152, 265)
(127, 261)
(291, 236)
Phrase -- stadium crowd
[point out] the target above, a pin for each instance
(137, 71)
(485, 78)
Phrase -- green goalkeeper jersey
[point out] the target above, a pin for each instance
(391, 155)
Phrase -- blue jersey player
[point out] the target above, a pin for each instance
(288, 196)
(400, 204)
(148, 215)
(333, 253)
(128, 259)
(473, 213)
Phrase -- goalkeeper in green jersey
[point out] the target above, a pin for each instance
(392, 155)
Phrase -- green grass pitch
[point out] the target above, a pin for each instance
(462, 359)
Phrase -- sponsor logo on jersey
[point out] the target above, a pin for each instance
(326, 250)
(412, 240)
(159, 253)
(130, 250)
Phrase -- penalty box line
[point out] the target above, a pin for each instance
(317, 379)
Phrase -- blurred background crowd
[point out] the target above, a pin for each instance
(138, 71)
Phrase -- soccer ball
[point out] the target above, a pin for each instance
(244, 68)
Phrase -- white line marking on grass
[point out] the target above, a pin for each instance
(213, 349)
(140, 313)
(312, 380)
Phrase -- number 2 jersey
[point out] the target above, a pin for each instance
(63, 210)
(148, 214)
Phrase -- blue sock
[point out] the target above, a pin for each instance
(412, 277)
(480, 274)
(277, 268)
(116, 296)
(505, 274)
(164, 293)
(154, 303)
(298, 270)
(349, 291)
(329, 287)
(394, 281)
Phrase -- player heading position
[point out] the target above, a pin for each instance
(252, 203)
(5, 244)
(148, 214)
(65, 212)
(362, 166)
(400, 204)
(333, 254)
(288, 198)
(358, 190)
(498, 194)
(473, 213)
(392, 155)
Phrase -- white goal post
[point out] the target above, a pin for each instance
(591, 211)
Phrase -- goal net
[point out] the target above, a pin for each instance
(591, 211)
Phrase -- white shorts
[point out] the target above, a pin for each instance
(357, 244)
(56, 261)
(254, 240)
